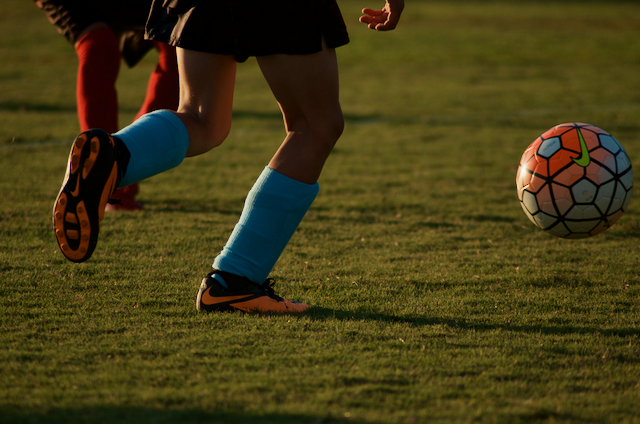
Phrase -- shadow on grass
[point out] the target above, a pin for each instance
(321, 313)
(119, 415)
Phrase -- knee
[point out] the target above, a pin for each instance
(326, 132)
(214, 134)
(336, 127)
(203, 134)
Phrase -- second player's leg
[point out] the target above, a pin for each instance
(98, 67)
(163, 90)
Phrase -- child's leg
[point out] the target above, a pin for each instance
(99, 163)
(207, 83)
(160, 140)
(306, 88)
(96, 95)
(162, 93)
(98, 67)
(273, 210)
(163, 90)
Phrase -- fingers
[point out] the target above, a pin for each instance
(385, 19)
(373, 17)
(371, 12)
(390, 23)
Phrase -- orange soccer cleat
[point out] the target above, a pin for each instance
(224, 292)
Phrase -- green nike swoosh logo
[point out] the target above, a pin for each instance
(584, 160)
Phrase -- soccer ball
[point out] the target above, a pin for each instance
(574, 181)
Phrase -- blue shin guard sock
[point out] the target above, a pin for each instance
(273, 210)
(157, 141)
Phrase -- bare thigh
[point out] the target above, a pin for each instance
(307, 90)
(206, 97)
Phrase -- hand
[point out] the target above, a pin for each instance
(385, 19)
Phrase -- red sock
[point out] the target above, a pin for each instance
(163, 90)
(99, 64)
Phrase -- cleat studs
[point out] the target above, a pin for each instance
(80, 209)
(83, 250)
(95, 145)
(58, 215)
(64, 247)
(85, 237)
(84, 223)
(60, 233)
(63, 201)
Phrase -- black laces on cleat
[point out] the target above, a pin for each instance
(268, 286)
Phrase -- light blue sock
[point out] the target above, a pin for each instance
(273, 210)
(157, 141)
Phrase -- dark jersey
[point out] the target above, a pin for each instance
(248, 27)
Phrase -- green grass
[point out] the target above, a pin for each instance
(435, 299)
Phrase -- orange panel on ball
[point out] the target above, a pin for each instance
(571, 141)
(574, 181)
(561, 160)
(556, 131)
(536, 183)
(541, 168)
(527, 155)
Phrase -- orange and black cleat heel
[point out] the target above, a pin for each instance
(92, 176)
(224, 292)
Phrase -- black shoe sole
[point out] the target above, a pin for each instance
(91, 178)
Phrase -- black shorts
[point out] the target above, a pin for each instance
(74, 16)
(248, 27)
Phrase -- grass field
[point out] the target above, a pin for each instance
(434, 298)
